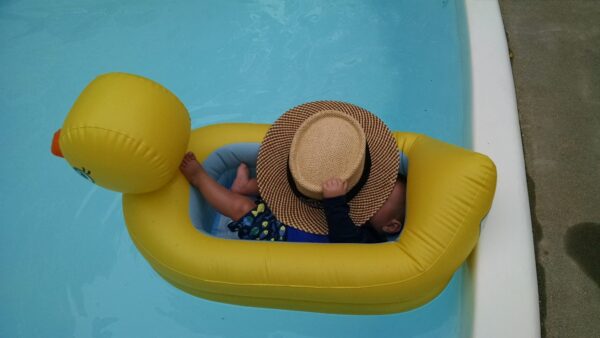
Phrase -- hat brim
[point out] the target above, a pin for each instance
(272, 166)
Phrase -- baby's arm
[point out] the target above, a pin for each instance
(337, 213)
(341, 227)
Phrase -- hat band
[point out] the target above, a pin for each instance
(317, 204)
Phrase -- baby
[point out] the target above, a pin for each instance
(253, 219)
(387, 221)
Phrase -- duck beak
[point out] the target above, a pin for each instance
(55, 146)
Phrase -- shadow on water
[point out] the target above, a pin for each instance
(581, 242)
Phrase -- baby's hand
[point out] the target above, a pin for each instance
(334, 187)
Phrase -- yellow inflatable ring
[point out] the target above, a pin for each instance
(450, 190)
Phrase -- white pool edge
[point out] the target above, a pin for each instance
(505, 294)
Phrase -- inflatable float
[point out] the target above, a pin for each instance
(129, 134)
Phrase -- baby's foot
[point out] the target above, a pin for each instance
(189, 166)
(241, 179)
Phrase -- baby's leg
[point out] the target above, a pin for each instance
(228, 203)
(243, 184)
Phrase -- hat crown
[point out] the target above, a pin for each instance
(328, 144)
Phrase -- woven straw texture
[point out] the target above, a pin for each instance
(273, 163)
(329, 143)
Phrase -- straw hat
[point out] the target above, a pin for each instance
(319, 140)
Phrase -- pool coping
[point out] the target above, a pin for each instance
(505, 294)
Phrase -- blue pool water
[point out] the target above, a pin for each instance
(68, 266)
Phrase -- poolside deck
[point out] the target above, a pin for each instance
(556, 67)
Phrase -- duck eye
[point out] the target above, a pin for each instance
(87, 174)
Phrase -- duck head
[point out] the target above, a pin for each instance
(125, 133)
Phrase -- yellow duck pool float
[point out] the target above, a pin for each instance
(129, 134)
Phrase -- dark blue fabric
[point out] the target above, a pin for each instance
(341, 227)
(295, 235)
(260, 224)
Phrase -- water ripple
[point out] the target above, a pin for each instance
(85, 200)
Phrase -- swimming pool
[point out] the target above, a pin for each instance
(69, 267)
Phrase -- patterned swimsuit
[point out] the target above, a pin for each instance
(259, 224)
